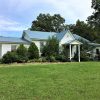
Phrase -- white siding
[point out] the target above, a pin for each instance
(5, 48)
(66, 38)
(27, 46)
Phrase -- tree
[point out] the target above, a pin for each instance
(48, 23)
(51, 48)
(33, 51)
(22, 53)
(21, 50)
(83, 29)
(94, 19)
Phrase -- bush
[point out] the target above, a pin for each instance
(33, 51)
(0, 61)
(22, 54)
(83, 56)
(99, 57)
(51, 48)
(61, 58)
(10, 57)
(44, 59)
(22, 51)
(22, 59)
(65, 51)
(51, 59)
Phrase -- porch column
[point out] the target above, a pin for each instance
(79, 53)
(70, 52)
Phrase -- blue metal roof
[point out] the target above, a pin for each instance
(12, 40)
(77, 37)
(39, 35)
(60, 35)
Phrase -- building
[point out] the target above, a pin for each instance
(72, 41)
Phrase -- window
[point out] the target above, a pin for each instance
(97, 51)
(13, 47)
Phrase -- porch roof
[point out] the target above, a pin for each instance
(74, 42)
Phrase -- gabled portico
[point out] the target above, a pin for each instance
(74, 46)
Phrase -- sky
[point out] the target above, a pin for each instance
(17, 15)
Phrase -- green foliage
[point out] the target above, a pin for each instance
(51, 59)
(22, 54)
(44, 59)
(21, 50)
(85, 30)
(33, 51)
(61, 58)
(96, 4)
(84, 56)
(10, 57)
(22, 59)
(51, 48)
(65, 51)
(48, 23)
(94, 19)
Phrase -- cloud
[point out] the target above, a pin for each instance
(6, 24)
(17, 5)
(72, 9)
(22, 12)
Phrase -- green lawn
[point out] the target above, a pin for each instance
(70, 81)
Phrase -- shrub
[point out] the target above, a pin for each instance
(61, 58)
(83, 56)
(51, 48)
(22, 54)
(51, 59)
(33, 51)
(99, 57)
(22, 59)
(65, 52)
(38, 60)
(10, 57)
(0, 61)
(21, 50)
(44, 59)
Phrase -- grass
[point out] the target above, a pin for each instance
(69, 81)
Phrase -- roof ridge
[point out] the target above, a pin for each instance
(40, 31)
